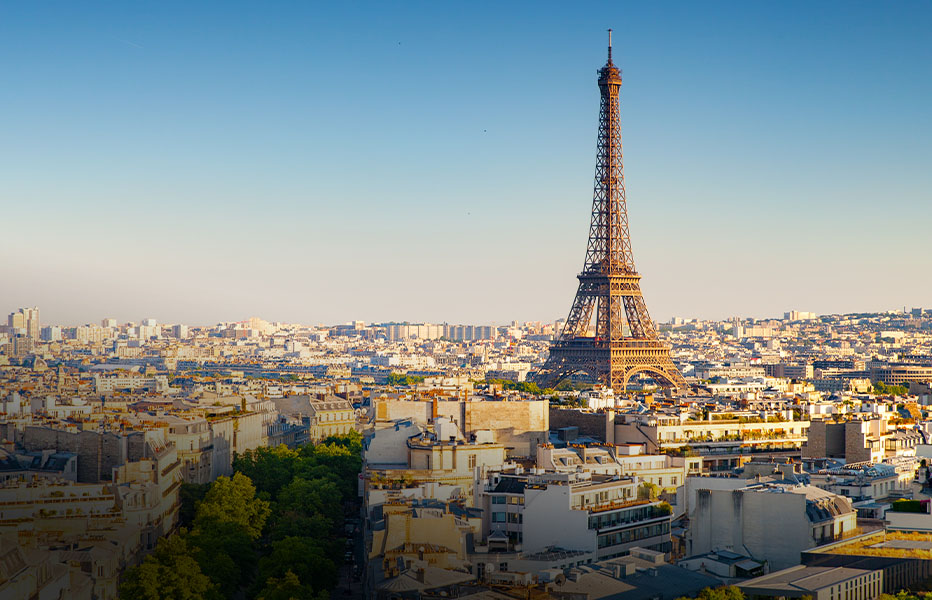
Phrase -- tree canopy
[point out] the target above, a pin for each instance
(270, 531)
(170, 572)
(882, 389)
(403, 379)
(233, 500)
(726, 592)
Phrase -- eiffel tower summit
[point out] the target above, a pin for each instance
(608, 333)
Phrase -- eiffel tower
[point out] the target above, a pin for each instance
(620, 341)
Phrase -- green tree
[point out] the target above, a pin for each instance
(352, 441)
(289, 587)
(234, 500)
(270, 469)
(340, 461)
(648, 491)
(225, 552)
(190, 494)
(306, 557)
(527, 387)
(728, 592)
(170, 572)
(307, 507)
(399, 379)
(906, 595)
(882, 389)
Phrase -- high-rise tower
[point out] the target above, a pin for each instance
(609, 334)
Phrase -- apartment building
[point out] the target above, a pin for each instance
(601, 515)
(440, 456)
(664, 472)
(665, 431)
(859, 440)
(130, 382)
(518, 424)
(860, 481)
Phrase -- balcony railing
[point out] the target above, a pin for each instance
(612, 505)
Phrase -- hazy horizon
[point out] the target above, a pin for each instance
(498, 323)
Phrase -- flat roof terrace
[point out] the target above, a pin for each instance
(905, 544)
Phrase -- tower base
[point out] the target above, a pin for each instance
(612, 363)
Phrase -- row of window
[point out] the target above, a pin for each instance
(860, 592)
(502, 517)
(634, 534)
(507, 499)
(622, 517)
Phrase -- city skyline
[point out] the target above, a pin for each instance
(209, 172)
(112, 322)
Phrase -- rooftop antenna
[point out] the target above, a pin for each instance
(609, 45)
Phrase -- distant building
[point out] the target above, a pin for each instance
(51, 333)
(728, 371)
(901, 374)
(798, 315)
(25, 321)
(104, 384)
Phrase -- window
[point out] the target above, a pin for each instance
(498, 499)
(472, 461)
(498, 517)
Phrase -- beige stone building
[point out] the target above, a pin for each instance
(520, 425)
(860, 440)
(327, 416)
(407, 456)
(663, 432)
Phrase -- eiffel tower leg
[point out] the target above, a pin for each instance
(577, 323)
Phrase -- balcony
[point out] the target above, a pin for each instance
(612, 505)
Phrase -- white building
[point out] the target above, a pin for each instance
(599, 515)
(768, 521)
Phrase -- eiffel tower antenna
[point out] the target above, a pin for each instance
(608, 333)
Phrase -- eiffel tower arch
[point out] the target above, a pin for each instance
(609, 333)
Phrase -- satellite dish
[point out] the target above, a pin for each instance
(560, 579)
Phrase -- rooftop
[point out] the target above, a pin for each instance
(802, 578)
(895, 544)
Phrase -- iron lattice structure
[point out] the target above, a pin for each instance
(608, 333)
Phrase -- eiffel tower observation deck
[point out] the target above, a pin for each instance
(609, 334)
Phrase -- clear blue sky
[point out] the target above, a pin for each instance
(321, 162)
